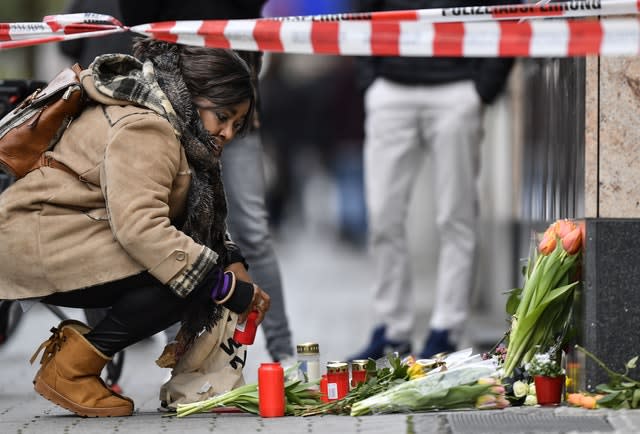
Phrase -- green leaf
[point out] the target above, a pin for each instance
(636, 398)
(610, 396)
(631, 364)
(292, 397)
(606, 388)
(623, 405)
(520, 342)
(513, 300)
(248, 407)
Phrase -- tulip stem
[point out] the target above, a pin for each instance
(605, 367)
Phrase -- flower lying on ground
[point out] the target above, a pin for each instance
(451, 389)
(621, 391)
(584, 400)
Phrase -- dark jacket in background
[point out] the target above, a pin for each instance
(146, 11)
(149, 11)
(84, 50)
(489, 74)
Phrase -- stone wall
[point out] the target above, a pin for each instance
(610, 305)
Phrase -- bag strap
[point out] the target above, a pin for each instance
(49, 161)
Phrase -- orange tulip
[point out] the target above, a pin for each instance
(588, 402)
(575, 399)
(572, 242)
(548, 243)
(563, 227)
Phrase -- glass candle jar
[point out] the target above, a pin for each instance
(337, 380)
(358, 372)
(309, 359)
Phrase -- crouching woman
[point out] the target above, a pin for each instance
(130, 214)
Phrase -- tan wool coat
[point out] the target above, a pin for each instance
(59, 232)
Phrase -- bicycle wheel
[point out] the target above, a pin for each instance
(10, 315)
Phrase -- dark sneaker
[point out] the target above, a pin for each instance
(437, 342)
(379, 346)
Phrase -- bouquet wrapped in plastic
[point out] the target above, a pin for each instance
(467, 384)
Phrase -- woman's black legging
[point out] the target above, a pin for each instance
(140, 305)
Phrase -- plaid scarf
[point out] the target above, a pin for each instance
(157, 84)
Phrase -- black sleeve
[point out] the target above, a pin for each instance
(252, 5)
(491, 77)
(366, 65)
(492, 73)
(233, 253)
(140, 11)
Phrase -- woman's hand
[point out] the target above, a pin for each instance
(260, 301)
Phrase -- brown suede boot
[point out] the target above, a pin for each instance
(70, 374)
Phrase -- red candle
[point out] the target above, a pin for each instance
(358, 372)
(323, 389)
(337, 380)
(271, 390)
(245, 332)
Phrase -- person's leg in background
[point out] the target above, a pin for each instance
(456, 133)
(393, 158)
(243, 176)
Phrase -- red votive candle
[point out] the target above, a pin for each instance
(323, 389)
(358, 372)
(271, 390)
(337, 380)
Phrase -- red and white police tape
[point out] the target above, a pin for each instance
(56, 28)
(536, 38)
(491, 31)
(567, 9)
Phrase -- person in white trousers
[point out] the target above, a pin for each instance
(415, 107)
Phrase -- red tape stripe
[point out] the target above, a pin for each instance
(324, 37)
(410, 15)
(267, 35)
(29, 42)
(585, 37)
(163, 31)
(70, 29)
(448, 39)
(4, 32)
(515, 38)
(213, 32)
(385, 38)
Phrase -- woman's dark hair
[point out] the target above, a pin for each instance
(217, 74)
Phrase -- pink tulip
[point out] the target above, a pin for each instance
(572, 242)
(486, 401)
(502, 402)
